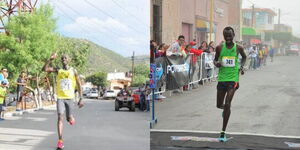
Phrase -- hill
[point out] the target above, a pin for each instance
(102, 59)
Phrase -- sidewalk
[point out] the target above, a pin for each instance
(11, 110)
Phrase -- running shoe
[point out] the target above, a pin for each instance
(72, 121)
(60, 145)
(222, 137)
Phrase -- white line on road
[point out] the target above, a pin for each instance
(231, 133)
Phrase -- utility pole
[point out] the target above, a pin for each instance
(211, 19)
(279, 15)
(132, 69)
(253, 15)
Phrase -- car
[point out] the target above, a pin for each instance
(293, 49)
(85, 92)
(124, 101)
(109, 94)
(136, 96)
(93, 94)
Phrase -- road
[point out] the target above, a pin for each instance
(267, 103)
(97, 126)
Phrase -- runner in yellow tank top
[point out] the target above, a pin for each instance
(66, 81)
(226, 59)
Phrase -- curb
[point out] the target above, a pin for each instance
(19, 113)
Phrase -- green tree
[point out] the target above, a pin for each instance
(30, 41)
(98, 79)
(141, 74)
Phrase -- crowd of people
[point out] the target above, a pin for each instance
(181, 48)
(258, 55)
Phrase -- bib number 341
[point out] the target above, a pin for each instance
(228, 61)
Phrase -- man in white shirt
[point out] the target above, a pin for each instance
(177, 48)
(253, 56)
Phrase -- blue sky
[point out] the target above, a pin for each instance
(119, 25)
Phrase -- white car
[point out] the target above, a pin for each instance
(109, 94)
(92, 94)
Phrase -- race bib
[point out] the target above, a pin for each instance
(65, 84)
(228, 61)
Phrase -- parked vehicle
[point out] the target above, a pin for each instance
(293, 49)
(109, 94)
(85, 92)
(136, 96)
(93, 94)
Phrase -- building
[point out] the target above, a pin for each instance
(283, 28)
(118, 80)
(257, 24)
(171, 18)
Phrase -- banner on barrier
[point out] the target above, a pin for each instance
(160, 71)
(178, 71)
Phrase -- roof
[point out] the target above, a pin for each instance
(268, 10)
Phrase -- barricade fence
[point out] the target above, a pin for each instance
(175, 72)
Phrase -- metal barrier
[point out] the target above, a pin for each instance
(202, 74)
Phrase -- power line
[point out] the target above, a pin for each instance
(130, 13)
(82, 29)
(100, 10)
(115, 33)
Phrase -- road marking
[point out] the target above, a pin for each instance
(197, 139)
(231, 133)
(290, 144)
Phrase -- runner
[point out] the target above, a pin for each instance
(228, 78)
(66, 80)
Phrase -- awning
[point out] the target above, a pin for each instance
(248, 31)
(255, 41)
(204, 26)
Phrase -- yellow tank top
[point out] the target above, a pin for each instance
(65, 84)
(2, 94)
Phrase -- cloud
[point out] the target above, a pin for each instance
(94, 24)
(129, 41)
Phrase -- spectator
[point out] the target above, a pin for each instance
(162, 50)
(204, 47)
(21, 84)
(260, 56)
(194, 44)
(177, 48)
(2, 98)
(213, 71)
(211, 47)
(253, 57)
(266, 50)
(3, 77)
(208, 59)
(153, 49)
(271, 53)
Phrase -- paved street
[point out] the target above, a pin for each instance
(97, 127)
(266, 103)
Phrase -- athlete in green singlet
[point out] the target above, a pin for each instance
(226, 59)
